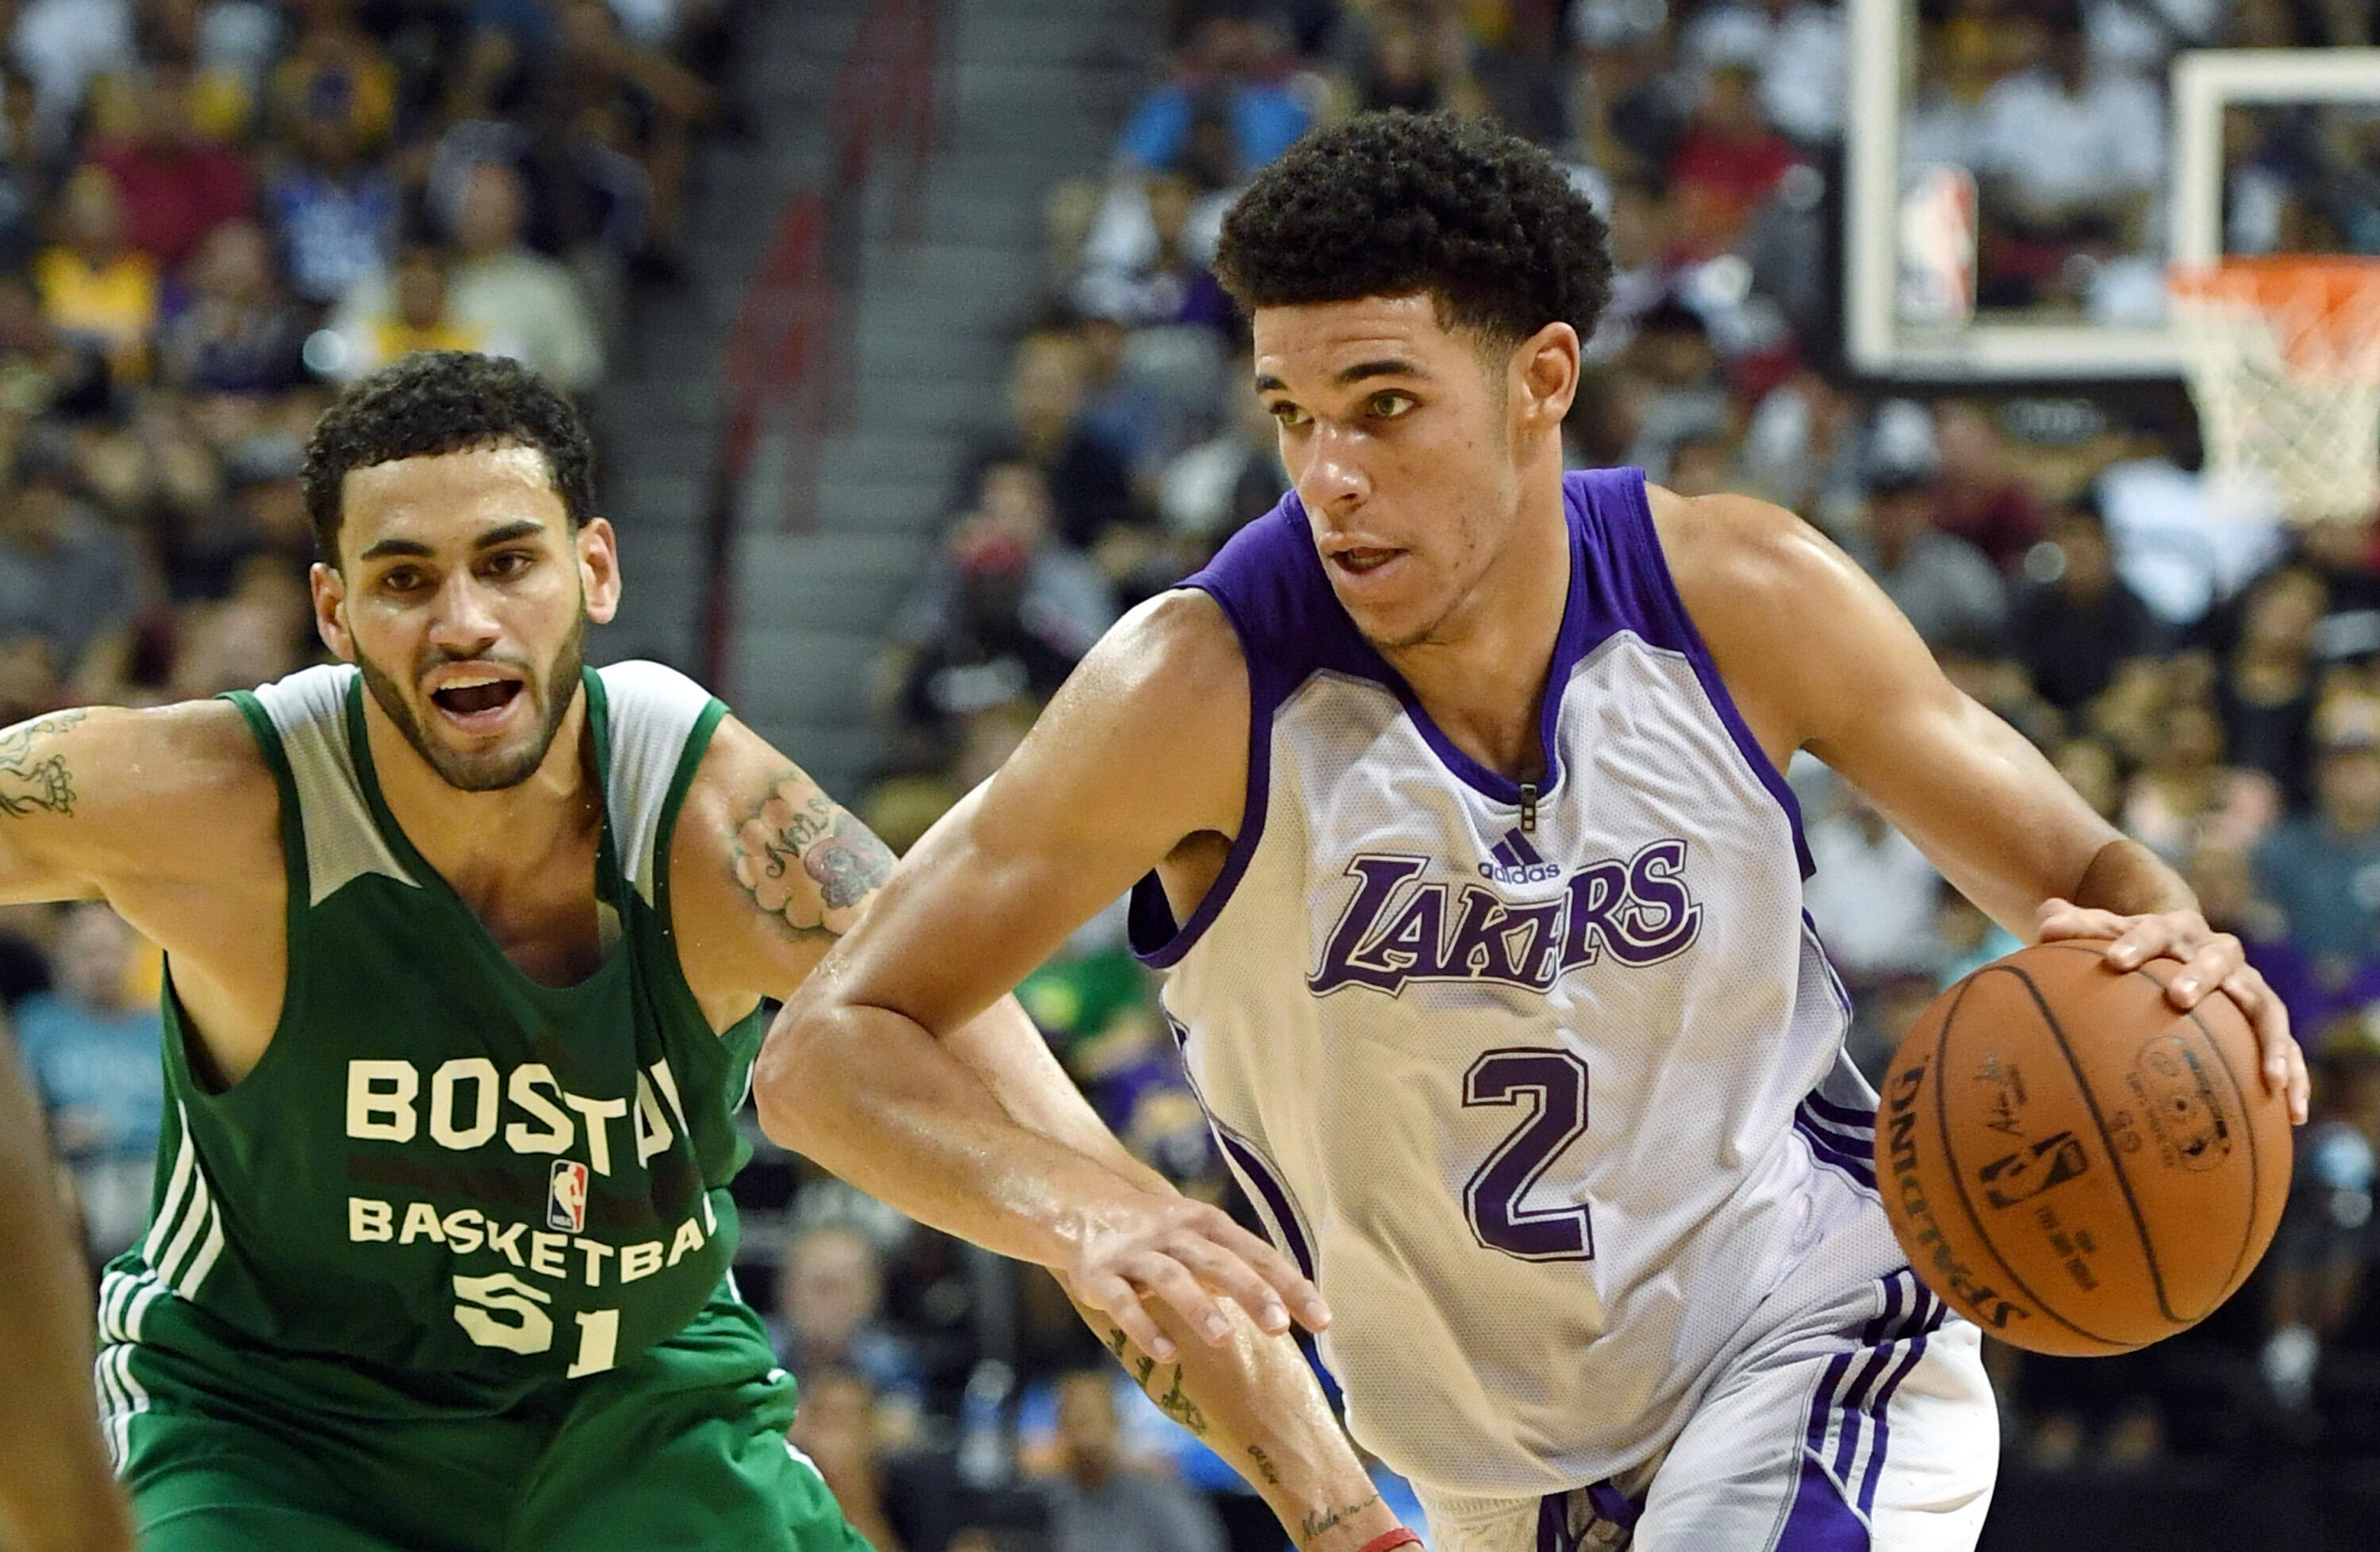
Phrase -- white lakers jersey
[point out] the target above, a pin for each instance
(1545, 1088)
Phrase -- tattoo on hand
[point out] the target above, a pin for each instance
(1317, 1521)
(807, 861)
(27, 784)
(1264, 1465)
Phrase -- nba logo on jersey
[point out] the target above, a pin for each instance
(565, 1196)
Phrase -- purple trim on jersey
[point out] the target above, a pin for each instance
(1633, 547)
(1858, 1162)
(1553, 1524)
(1270, 584)
(1883, 1404)
(1610, 1503)
(1821, 1521)
(1879, 1356)
(1849, 1116)
(1834, 976)
(1278, 1203)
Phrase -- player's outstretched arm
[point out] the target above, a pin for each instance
(100, 795)
(901, 1064)
(56, 1494)
(1818, 659)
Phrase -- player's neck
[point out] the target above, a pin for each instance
(1481, 674)
(477, 840)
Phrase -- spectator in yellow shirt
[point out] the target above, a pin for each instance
(92, 283)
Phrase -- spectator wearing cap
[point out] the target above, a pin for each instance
(1943, 585)
(2321, 870)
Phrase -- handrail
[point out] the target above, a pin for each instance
(782, 366)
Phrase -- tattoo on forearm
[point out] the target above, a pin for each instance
(1141, 1365)
(1181, 1408)
(809, 862)
(1316, 1522)
(1264, 1465)
(27, 784)
(1174, 1402)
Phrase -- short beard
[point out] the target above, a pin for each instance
(493, 771)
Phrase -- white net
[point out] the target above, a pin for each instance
(2284, 361)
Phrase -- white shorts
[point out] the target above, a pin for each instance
(1864, 1426)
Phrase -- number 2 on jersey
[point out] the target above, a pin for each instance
(1556, 1081)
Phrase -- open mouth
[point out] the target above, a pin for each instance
(1362, 561)
(477, 701)
(467, 700)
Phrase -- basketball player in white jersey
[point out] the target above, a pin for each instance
(1451, 798)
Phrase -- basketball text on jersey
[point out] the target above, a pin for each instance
(1396, 927)
(466, 1104)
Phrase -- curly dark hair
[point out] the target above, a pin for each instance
(444, 401)
(1391, 205)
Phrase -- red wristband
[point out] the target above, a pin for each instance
(1385, 1539)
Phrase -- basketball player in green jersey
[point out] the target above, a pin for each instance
(56, 1495)
(464, 946)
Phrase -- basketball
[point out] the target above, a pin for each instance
(2074, 1164)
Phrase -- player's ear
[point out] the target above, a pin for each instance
(1545, 377)
(599, 568)
(330, 590)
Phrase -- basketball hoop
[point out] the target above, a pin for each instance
(2284, 361)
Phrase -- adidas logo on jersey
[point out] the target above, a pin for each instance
(1399, 928)
(1517, 862)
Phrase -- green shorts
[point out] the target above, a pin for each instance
(232, 1450)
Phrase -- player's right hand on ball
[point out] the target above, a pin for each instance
(1141, 1245)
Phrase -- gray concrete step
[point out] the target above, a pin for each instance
(832, 581)
(861, 455)
(789, 674)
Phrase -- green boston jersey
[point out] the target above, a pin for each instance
(446, 1176)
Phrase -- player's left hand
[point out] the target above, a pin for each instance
(2210, 961)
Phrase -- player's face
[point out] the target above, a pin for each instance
(463, 597)
(1396, 433)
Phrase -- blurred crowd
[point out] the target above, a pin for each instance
(209, 213)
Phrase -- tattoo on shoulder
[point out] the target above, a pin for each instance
(1314, 1521)
(809, 862)
(27, 782)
